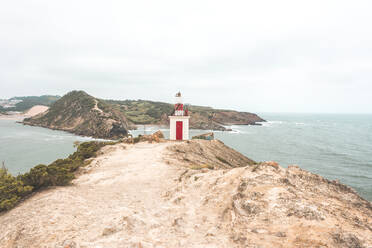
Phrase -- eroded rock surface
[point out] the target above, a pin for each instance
(149, 195)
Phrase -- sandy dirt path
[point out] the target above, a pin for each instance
(123, 190)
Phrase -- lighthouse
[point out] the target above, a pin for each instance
(179, 120)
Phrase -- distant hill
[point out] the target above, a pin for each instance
(82, 114)
(150, 112)
(26, 102)
(79, 113)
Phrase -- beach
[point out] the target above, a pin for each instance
(35, 110)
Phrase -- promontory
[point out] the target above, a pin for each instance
(197, 193)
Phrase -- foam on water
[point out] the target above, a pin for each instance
(271, 123)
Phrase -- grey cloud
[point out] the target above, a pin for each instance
(290, 56)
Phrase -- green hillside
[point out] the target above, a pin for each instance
(82, 114)
(142, 111)
(150, 112)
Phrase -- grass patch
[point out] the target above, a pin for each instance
(201, 166)
(223, 160)
(137, 139)
(151, 112)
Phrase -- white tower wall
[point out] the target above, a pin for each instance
(185, 127)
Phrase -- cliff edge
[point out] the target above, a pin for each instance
(189, 194)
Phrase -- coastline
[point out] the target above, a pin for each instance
(15, 117)
(19, 116)
(160, 194)
(282, 139)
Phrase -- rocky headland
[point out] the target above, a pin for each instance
(195, 193)
(81, 114)
(217, 120)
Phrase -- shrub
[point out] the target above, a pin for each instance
(58, 173)
(87, 150)
(42, 176)
(11, 190)
(37, 177)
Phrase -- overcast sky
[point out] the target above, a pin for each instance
(258, 56)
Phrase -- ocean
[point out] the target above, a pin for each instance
(334, 146)
(23, 147)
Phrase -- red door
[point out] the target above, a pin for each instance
(179, 130)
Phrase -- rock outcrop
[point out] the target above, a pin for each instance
(79, 113)
(189, 194)
(237, 118)
(155, 137)
(217, 119)
(205, 136)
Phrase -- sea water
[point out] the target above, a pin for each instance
(23, 147)
(331, 145)
(334, 146)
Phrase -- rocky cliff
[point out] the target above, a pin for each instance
(217, 119)
(79, 113)
(189, 194)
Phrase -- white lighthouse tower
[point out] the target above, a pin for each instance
(179, 121)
